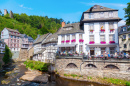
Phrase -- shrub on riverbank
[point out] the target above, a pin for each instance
(37, 65)
(7, 56)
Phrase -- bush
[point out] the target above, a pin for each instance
(37, 65)
(8, 55)
(127, 83)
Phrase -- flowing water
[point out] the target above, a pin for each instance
(18, 70)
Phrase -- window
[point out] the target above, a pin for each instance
(68, 37)
(14, 36)
(73, 36)
(101, 7)
(80, 36)
(103, 50)
(102, 14)
(111, 14)
(80, 48)
(111, 37)
(95, 7)
(129, 35)
(112, 50)
(102, 37)
(11, 36)
(124, 28)
(124, 36)
(91, 38)
(63, 38)
(125, 46)
(102, 26)
(91, 15)
(91, 26)
(111, 25)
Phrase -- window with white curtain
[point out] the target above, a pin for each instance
(68, 37)
(111, 25)
(103, 50)
(91, 37)
(73, 36)
(102, 25)
(80, 36)
(63, 38)
(91, 26)
(102, 37)
(111, 37)
(80, 48)
(111, 14)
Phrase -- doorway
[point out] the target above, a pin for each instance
(91, 52)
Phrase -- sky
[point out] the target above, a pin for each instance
(68, 10)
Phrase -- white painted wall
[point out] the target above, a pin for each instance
(5, 34)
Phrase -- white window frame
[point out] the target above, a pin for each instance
(102, 38)
(91, 38)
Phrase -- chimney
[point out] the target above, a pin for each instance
(62, 24)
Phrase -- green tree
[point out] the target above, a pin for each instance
(8, 55)
(127, 14)
(0, 12)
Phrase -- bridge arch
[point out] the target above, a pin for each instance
(71, 65)
(111, 66)
(90, 66)
(128, 69)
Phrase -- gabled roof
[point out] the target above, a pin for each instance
(75, 29)
(41, 38)
(12, 30)
(98, 8)
(52, 38)
(24, 36)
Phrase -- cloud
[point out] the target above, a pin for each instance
(22, 6)
(122, 22)
(106, 4)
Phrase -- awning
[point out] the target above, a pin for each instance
(66, 45)
(102, 45)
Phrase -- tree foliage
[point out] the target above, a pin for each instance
(127, 14)
(30, 25)
(8, 55)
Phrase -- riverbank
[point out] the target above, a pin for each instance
(105, 81)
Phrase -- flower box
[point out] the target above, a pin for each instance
(103, 42)
(62, 41)
(81, 40)
(102, 30)
(91, 42)
(112, 42)
(112, 29)
(91, 30)
(67, 41)
(73, 40)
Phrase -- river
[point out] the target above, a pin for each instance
(15, 70)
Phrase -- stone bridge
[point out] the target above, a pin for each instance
(96, 68)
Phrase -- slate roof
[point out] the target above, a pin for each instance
(39, 52)
(24, 36)
(52, 38)
(75, 29)
(99, 9)
(41, 38)
(12, 30)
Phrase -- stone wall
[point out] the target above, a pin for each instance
(120, 70)
(15, 54)
(23, 55)
(30, 52)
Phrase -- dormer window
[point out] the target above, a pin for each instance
(124, 28)
(101, 7)
(95, 7)
(68, 28)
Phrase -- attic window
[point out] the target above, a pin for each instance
(68, 28)
(95, 7)
(101, 7)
